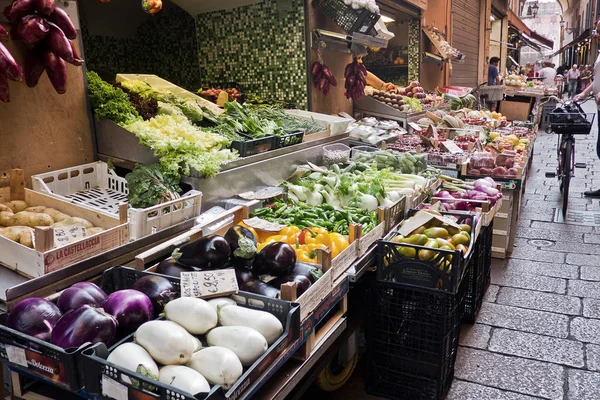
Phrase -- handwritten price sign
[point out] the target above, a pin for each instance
(205, 284)
(68, 234)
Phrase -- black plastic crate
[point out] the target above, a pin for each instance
(350, 20)
(250, 146)
(289, 139)
(98, 369)
(444, 271)
(412, 340)
(40, 359)
(478, 278)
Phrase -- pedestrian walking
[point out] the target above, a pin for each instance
(572, 77)
(586, 77)
(547, 74)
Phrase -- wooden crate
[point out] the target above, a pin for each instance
(44, 258)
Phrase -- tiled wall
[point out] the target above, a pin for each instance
(261, 47)
(165, 45)
(414, 51)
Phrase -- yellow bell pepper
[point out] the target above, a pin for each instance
(305, 254)
(338, 243)
(290, 231)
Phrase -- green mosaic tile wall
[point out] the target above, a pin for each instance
(261, 47)
(165, 45)
(414, 51)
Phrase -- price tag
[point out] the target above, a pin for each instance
(259, 223)
(451, 147)
(415, 126)
(113, 389)
(68, 234)
(16, 355)
(262, 194)
(206, 284)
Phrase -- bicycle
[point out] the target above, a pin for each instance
(567, 120)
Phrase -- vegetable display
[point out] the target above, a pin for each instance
(17, 220)
(459, 195)
(150, 185)
(356, 80)
(50, 29)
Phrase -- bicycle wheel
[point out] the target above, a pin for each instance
(567, 168)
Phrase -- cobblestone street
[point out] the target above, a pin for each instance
(538, 332)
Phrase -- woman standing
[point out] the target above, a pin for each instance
(586, 77)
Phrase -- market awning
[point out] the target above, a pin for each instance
(542, 41)
(515, 22)
(529, 42)
(584, 35)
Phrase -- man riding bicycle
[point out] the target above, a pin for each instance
(594, 88)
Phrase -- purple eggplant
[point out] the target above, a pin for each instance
(159, 289)
(244, 275)
(32, 29)
(76, 60)
(312, 273)
(79, 294)
(241, 242)
(62, 20)
(302, 283)
(209, 252)
(277, 259)
(173, 268)
(8, 65)
(34, 317)
(18, 9)
(56, 68)
(34, 67)
(84, 325)
(45, 7)
(59, 44)
(130, 307)
(259, 287)
(4, 92)
(3, 32)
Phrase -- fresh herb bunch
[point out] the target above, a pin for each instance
(110, 102)
(150, 185)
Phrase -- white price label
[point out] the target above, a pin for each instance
(206, 284)
(415, 126)
(259, 223)
(451, 147)
(113, 389)
(16, 355)
(68, 234)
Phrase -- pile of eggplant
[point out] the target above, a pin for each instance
(47, 30)
(84, 313)
(199, 344)
(257, 272)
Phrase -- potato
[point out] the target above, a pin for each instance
(93, 231)
(5, 208)
(6, 217)
(20, 234)
(56, 215)
(74, 221)
(16, 205)
(27, 218)
(36, 209)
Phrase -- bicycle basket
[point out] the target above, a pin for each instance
(571, 120)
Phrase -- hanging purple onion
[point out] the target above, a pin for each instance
(130, 307)
(34, 317)
(84, 325)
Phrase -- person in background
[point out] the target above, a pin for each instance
(561, 70)
(493, 71)
(586, 77)
(547, 73)
(572, 77)
(594, 88)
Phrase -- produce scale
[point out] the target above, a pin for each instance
(162, 239)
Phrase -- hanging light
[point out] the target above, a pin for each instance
(533, 9)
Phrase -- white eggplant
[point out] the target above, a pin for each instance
(219, 365)
(247, 343)
(167, 342)
(195, 315)
(184, 378)
(265, 323)
(133, 357)
(217, 301)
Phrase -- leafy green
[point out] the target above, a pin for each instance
(110, 102)
(150, 185)
(181, 145)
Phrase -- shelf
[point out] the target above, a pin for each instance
(356, 43)
(393, 66)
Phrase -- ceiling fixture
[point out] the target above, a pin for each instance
(533, 9)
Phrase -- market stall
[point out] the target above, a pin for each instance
(213, 242)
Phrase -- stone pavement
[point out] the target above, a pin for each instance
(537, 335)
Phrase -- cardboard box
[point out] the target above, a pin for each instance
(501, 225)
(514, 110)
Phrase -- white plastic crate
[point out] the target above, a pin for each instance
(97, 187)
